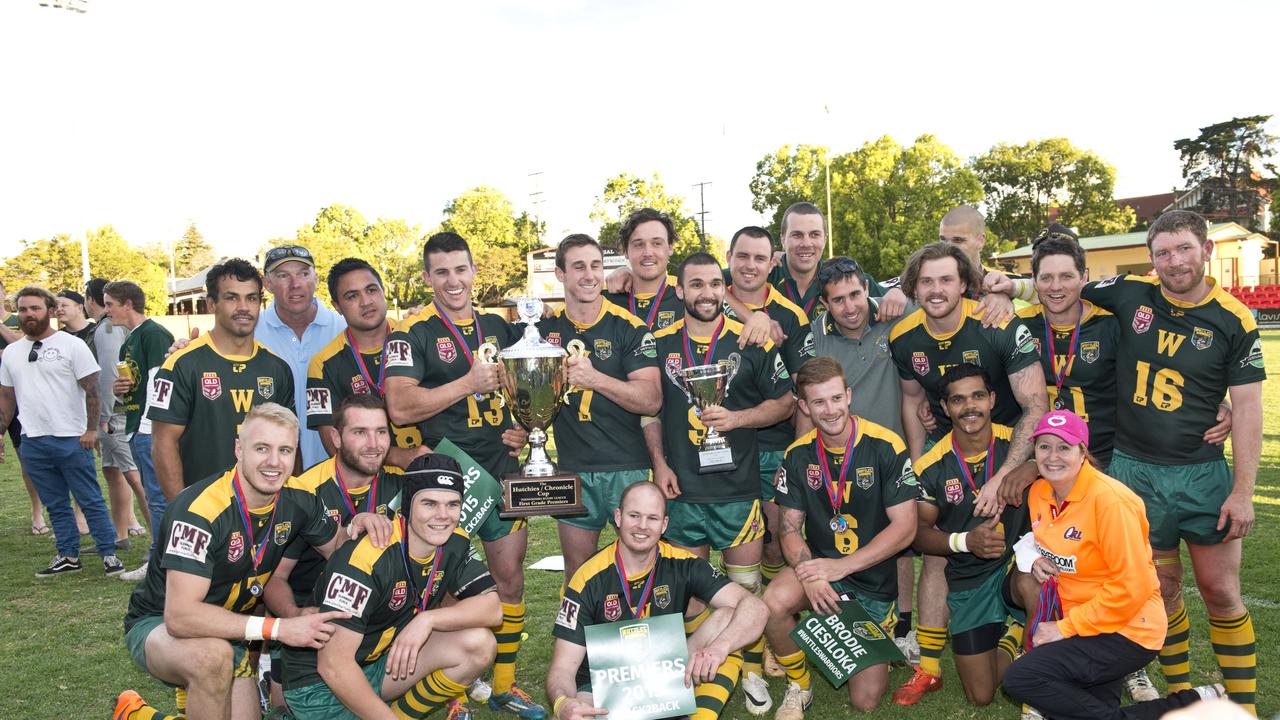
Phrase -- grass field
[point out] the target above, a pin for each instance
(62, 651)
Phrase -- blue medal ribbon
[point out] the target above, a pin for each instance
(453, 329)
(793, 294)
(653, 309)
(964, 466)
(258, 550)
(835, 489)
(421, 605)
(711, 348)
(1060, 375)
(626, 585)
(364, 369)
(346, 494)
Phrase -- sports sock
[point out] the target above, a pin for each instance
(904, 625)
(692, 624)
(1012, 640)
(711, 696)
(146, 712)
(430, 693)
(796, 668)
(1175, 658)
(1235, 649)
(769, 572)
(932, 640)
(508, 635)
(180, 700)
(753, 657)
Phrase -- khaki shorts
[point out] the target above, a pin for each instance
(113, 446)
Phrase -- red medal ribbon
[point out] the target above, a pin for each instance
(1061, 375)
(360, 365)
(964, 466)
(626, 585)
(346, 494)
(711, 348)
(453, 329)
(421, 605)
(258, 550)
(653, 309)
(835, 492)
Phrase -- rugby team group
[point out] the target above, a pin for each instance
(1031, 452)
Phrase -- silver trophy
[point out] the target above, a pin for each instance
(706, 385)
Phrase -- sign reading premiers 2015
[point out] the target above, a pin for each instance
(637, 668)
(845, 644)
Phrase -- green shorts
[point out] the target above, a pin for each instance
(135, 639)
(884, 612)
(770, 461)
(495, 528)
(601, 493)
(982, 605)
(1183, 501)
(317, 702)
(720, 525)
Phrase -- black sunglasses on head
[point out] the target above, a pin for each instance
(35, 350)
(287, 251)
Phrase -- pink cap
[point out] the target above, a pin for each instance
(1064, 424)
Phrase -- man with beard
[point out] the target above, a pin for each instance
(947, 331)
(682, 581)
(610, 387)
(435, 381)
(190, 622)
(420, 611)
(983, 587)
(202, 392)
(848, 485)
(53, 378)
(646, 239)
(352, 363)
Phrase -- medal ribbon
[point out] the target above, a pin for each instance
(653, 309)
(836, 492)
(711, 348)
(964, 466)
(346, 494)
(258, 551)
(626, 586)
(793, 294)
(1049, 608)
(1060, 375)
(453, 329)
(421, 605)
(360, 365)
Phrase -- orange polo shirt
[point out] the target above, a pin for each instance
(1098, 539)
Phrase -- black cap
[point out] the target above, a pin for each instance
(433, 471)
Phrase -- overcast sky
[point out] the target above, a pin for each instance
(247, 117)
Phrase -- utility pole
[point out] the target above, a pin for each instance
(702, 213)
(831, 226)
(536, 199)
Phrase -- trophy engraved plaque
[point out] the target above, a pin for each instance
(532, 374)
(706, 386)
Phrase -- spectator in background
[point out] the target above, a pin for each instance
(53, 378)
(9, 333)
(72, 317)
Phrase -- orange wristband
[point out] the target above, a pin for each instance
(269, 628)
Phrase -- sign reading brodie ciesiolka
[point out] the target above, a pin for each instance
(844, 644)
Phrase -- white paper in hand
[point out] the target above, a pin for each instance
(1025, 552)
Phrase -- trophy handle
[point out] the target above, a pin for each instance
(487, 352)
(575, 348)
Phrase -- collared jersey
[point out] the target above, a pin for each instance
(593, 433)
(944, 485)
(1097, 538)
(204, 535)
(795, 349)
(209, 394)
(1000, 350)
(381, 588)
(595, 595)
(1089, 388)
(333, 376)
(423, 348)
(670, 306)
(868, 369)
(880, 477)
(321, 480)
(780, 278)
(1175, 365)
(756, 374)
(144, 351)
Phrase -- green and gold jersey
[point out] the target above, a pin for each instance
(204, 534)
(1000, 350)
(383, 588)
(1175, 365)
(1089, 382)
(595, 594)
(594, 434)
(209, 394)
(946, 486)
(670, 307)
(808, 301)
(795, 349)
(342, 504)
(879, 478)
(425, 349)
(10, 321)
(756, 374)
(143, 350)
(333, 376)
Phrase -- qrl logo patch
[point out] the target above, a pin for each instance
(211, 386)
(235, 547)
(954, 491)
(1142, 318)
(346, 594)
(398, 354)
(612, 608)
(674, 364)
(813, 475)
(446, 350)
(399, 594)
(188, 541)
(359, 386)
(553, 338)
(920, 363)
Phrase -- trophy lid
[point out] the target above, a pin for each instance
(532, 345)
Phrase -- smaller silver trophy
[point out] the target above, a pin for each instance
(706, 385)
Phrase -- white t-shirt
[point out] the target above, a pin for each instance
(50, 399)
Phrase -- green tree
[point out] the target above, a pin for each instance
(192, 253)
(337, 232)
(1023, 182)
(54, 263)
(627, 193)
(393, 248)
(499, 240)
(1230, 162)
(789, 176)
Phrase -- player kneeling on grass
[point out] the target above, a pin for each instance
(848, 483)
(192, 618)
(674, 577)
(427, 589)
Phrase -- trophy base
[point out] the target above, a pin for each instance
(715, 461)
(554, 495)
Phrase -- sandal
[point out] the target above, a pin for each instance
(39, 529)
(136, 531)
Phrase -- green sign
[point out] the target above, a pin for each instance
(845, 644)
(637, 668)
(481, 493)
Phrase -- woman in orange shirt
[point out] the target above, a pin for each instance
(1096, 571)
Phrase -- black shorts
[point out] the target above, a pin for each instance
(15, 433)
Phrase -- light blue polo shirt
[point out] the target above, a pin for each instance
(283, 341)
